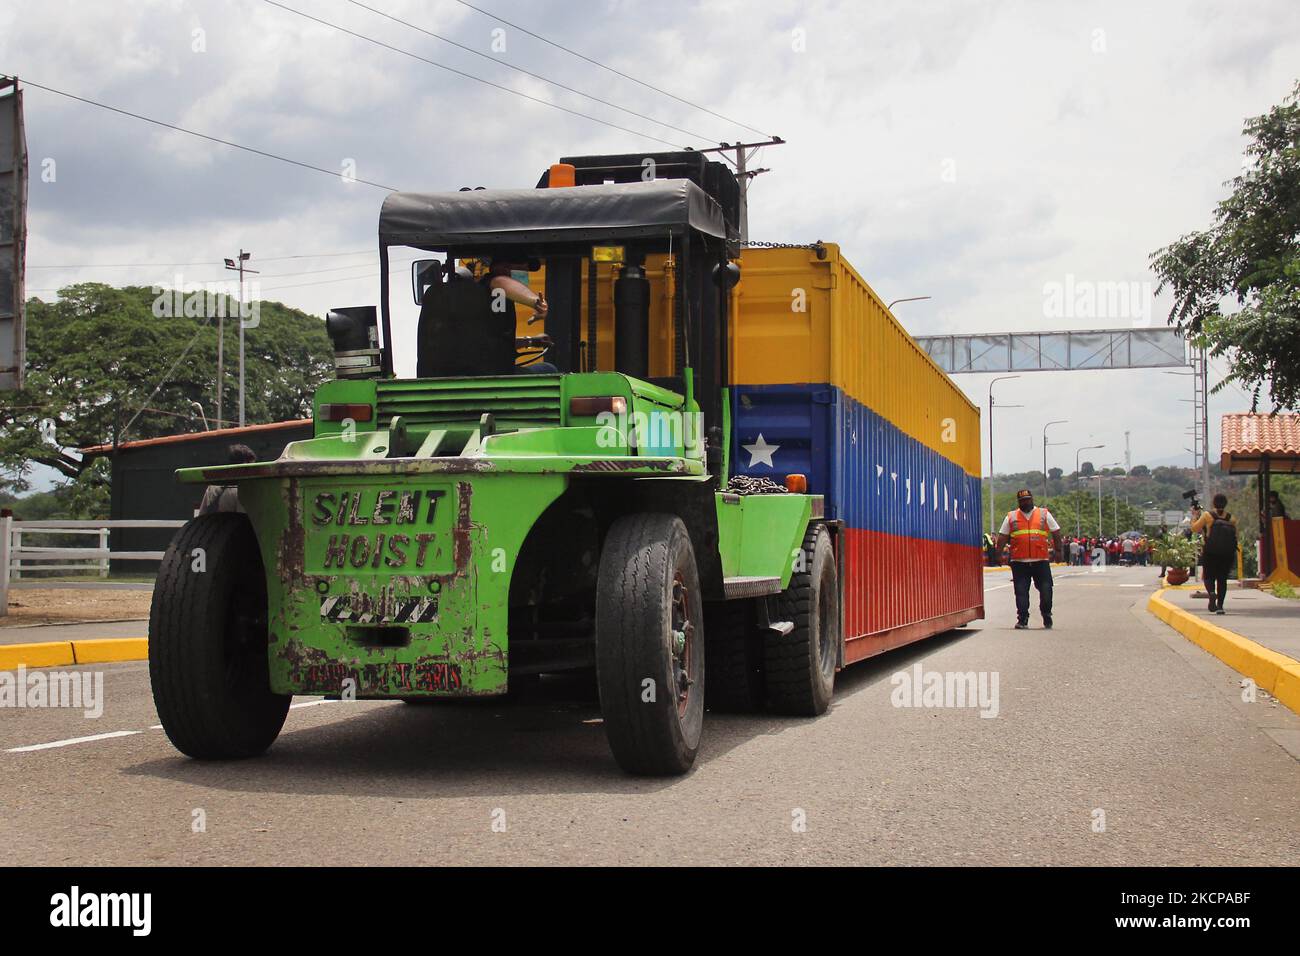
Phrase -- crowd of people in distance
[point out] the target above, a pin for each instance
(1121, 550)
(1083, 550)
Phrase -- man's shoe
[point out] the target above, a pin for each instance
(1047, 622)
(1218, 610)
(1022, 625)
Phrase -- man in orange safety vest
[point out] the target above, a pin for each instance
(1034, 536)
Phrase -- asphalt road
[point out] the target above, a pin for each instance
(1111, 712)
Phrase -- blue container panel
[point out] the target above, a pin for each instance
(873, 476)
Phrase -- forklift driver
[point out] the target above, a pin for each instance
(468, 327)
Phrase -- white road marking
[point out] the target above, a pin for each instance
(120, 733)
(70, 741)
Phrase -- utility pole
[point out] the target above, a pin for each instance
(1128, 455)
(1099, 477)
(743, 174)
(1078, 525)
(221, 368)
(991, 480)
(1203, 397)
(241, 269)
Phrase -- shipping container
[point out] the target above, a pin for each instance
(828, 384)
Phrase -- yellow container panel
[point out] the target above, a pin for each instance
(801, 320)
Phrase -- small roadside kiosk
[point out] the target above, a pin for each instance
(1264, 445)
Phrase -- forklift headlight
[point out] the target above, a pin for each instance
(589, 406)
(340, 412)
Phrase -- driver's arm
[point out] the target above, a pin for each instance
(516, 291)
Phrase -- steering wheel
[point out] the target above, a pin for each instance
(533, 348)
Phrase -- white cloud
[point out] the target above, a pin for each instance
(968, 152)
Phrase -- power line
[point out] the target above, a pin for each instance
(212, 139)
(519, 69)
(470, 76)
(163, 381)
(302, 285)
(318, 255)
(282, 275)
(265, 275)
(538, 36)
(198, 262)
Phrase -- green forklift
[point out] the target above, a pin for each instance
(458, 533)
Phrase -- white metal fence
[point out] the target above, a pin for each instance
(16, 558)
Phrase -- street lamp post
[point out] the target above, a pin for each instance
(1060, 421)
(1099, 478)
(911, 298)
(1078, 524)
(991, 384)
(1114, 500)
(241, 269)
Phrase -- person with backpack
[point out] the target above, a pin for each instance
(1218, 553)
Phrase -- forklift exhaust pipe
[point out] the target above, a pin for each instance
(632, 322)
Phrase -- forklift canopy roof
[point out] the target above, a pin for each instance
(572, 214)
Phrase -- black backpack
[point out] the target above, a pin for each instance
(1221, 539)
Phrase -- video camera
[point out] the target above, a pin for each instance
(1190, 493)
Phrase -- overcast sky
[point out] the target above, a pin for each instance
(975, 153)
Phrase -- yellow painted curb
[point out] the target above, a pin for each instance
(1274, 672)
(110, 650)
(63, 653)
(47, 654)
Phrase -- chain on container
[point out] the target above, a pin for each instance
(817, 247)
(751, 485)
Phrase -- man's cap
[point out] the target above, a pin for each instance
(1024, 493)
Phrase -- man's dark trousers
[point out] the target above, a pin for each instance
(1040, 573)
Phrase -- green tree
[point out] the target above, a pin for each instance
(104, 368)
(1251, 254)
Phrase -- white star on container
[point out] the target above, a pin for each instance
(761, 451)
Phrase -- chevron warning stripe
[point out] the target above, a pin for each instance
(363, 609)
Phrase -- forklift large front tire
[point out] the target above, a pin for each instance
(800, 666)
(650, 645)
(208, 642)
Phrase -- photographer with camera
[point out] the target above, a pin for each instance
(1219, 528)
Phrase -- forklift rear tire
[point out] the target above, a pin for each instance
(208, 642)
(650, 645)
(800, 666)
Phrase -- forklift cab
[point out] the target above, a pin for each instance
(637, 276)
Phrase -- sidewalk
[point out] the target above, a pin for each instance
(61, 645)
(38, 633)
(1262, 618)
(1258, 637)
